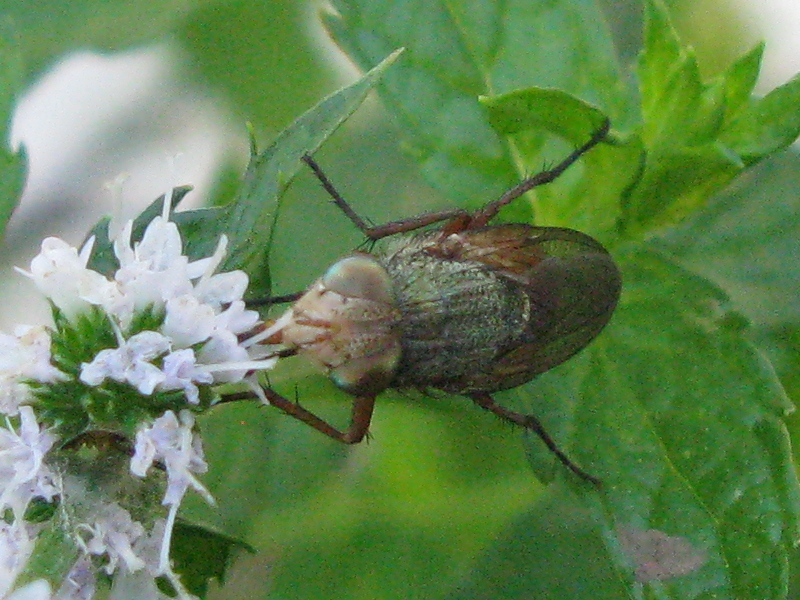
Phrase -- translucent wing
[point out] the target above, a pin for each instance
(571, 281)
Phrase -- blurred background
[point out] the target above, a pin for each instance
(161, 93)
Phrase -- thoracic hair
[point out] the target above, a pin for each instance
(458, 316)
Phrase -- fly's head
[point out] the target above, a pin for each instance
(348, 324)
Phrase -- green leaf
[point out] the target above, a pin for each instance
(669, 84)
(681, 418)
(588, 202)
(460, 50)
(740, 79)
(251, 218)
(661, 57)
(677, 181)
(698, 136)
(54, 554)
(746, 241)
(200, 555)
(13, 165)
(553, 550)
(766, 125)
(549, 109)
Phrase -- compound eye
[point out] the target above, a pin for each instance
(369, 375)
(360, 276)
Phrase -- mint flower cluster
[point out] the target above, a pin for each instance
(99, 444)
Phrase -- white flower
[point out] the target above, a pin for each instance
(15, 549)
(223, 348)
(81, 581)
(139, 586)
(113, 535)
(188, 321)
(27, 354)
(181, 372)
(23, 474)
(130, 362)
(175, 445)
(236, 318)
(24, 355)
(153, 270)
(35, 590)
(60, 273)
(203, 312)
(153, 549)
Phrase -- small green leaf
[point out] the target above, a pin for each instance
(741, 77)
(251, 217)
(766, 125)
(13, 174)
(54, 554)
(678, 180)
(589, 202)
(661, 57)
(549, 109)
(200, 555)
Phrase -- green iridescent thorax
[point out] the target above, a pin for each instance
(458, 316)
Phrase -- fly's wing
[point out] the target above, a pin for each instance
(571, 281)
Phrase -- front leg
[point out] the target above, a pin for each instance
(359, 421)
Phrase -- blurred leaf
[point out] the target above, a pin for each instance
(201, 555)
(13, 165)
(538, 557)
(53, 556)
(765, 125)
(747, 239)
(262, 55)
(698, 136)
(98, 24)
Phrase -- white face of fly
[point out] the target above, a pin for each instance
(348, 324)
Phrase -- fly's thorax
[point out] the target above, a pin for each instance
(458, 315)
(348, 323)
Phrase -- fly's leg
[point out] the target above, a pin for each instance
(286, 298)
(460, 219)
(360, 417)
(488, 212)
(531, 423)
(375, 233)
